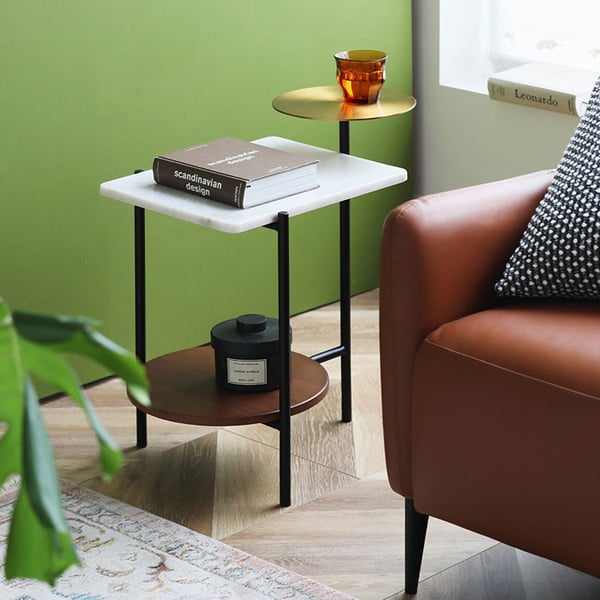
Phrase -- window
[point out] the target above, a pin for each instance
(556, 31)
(480, 37)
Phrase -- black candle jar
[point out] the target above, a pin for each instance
(247, 353)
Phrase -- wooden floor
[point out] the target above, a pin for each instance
(345, 526)
(503, 573)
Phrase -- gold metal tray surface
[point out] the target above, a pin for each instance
(326, 103)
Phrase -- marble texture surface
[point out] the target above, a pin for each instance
(340, 177)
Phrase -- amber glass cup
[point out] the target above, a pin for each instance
(360, 74)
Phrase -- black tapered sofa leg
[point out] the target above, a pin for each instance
(415, 528)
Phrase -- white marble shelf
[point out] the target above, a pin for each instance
(340, 177)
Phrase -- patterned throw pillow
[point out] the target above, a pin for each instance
(558, 255)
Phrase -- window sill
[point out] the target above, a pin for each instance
(552, 87)
(469, 82)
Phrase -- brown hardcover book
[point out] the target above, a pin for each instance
(236, 172)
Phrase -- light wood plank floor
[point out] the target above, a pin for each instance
(503, 573)
(345, 526)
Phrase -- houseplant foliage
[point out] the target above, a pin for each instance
(33, 344)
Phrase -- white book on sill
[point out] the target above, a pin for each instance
(558, 88)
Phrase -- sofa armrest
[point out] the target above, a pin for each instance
(440, 258)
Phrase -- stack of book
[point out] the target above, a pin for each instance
(236, 172)
(552, 87)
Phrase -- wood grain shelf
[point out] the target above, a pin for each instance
(183, 389)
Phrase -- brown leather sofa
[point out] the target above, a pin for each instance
(491, 408)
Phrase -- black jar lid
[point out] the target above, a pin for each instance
(251, 323)
(250, 335)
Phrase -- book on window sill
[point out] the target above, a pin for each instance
(236, 172)
(558, 88)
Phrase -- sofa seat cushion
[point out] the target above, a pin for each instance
(505, 437)
(558, 343)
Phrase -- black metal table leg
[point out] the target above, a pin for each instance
(343, 351)
(140, 310)
(345, 324)
(345, 291)
(344, 137)
(283, 267)
(285, 399)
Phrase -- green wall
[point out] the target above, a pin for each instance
(91, 91)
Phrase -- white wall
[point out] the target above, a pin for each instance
(463, 138)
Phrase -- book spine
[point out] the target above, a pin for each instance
(537, 97)
(206, 184)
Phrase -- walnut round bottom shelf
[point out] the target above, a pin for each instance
(183, 388)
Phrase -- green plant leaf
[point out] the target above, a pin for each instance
(48, 329)
(39, 543)
(34, 551)
(123, 363)
(77, 335)
(39, 476)
(47, 364)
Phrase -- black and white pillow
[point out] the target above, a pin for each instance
(559, 253)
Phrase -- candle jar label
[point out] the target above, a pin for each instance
(247, 372)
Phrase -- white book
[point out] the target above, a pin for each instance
(558, 88)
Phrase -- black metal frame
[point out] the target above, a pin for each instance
(281, 226)
(139, 216)
(344, 349)
(283, 424)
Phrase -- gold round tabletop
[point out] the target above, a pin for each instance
(326, 103)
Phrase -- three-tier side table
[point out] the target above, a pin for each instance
(183, 383)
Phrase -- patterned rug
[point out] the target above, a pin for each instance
(129, 554)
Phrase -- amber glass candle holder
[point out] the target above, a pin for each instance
(360, 74)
